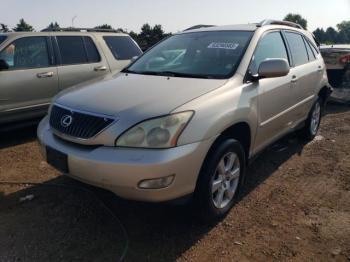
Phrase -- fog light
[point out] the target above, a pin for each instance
(156, 183)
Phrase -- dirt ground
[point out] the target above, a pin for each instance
(295, 207)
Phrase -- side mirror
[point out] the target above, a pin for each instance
(273, 68)
(4, 65)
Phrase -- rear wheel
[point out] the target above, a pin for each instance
(312, 123)
(220, 179)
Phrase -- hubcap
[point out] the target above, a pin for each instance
(225, 180)
(315, 119)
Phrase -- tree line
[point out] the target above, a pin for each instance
(150, 35)
(340, 35)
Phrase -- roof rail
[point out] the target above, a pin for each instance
(278, 22)
(198, 27)
(74, 29)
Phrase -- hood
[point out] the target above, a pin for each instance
(136, 96)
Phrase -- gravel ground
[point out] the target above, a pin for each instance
(295, 207)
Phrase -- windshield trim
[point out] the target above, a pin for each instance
(228, 76)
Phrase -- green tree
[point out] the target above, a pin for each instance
(104, 26)
(344, 32)
(149, 36)
(4, 28)
(53, 26)
(320, 35)
(296, 18)
(331, 35)
(23, 26)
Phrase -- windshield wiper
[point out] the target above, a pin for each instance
(178, 74)
(166, 73)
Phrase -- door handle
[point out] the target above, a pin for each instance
(45, 75)
(100, 68)
(294, 79)
(319, 69)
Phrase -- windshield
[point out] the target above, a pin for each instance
(2, 38)
(200, 54)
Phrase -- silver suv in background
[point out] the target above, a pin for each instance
(187, 116)
(34, 67)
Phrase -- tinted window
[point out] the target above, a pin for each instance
(314, 49)
(2, 38)
(26, 52)
(309, 51)
(270, 46)
(91, 50)
(200, 54)
(72, 50)
(122, 47)
(297, 48)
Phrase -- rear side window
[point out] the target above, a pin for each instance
(314, 49)
(310, 53)
(77, 50)
(91, 50)
(2, 38)
(26, 52)
(122, 47)
(270, 46)
(298, 49)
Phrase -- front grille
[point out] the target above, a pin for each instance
(77, 124)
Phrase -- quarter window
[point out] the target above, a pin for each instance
(77, 50)
(26, 52)
(297, 47)
(270, 46)
(122, 47)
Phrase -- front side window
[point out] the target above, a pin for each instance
(297, 48)
(26, 52)
(200, 54)
(269, 47)
(122, 47)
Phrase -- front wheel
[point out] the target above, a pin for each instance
(312, 123)
(220, 179)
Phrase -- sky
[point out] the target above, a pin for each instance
(173, 15)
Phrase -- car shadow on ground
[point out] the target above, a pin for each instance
(19, 133)
(65, 223)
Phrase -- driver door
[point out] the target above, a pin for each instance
(276, 97)
(30, 81)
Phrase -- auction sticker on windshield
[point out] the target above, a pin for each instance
(231, 46)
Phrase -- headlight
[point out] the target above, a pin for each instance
(162, 132)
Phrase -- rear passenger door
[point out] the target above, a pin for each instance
(79, 60)
(304, 73)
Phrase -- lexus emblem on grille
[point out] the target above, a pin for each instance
(66, 120)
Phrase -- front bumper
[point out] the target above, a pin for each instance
(121, 169)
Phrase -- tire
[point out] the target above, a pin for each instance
(312, 123)
(207, 194)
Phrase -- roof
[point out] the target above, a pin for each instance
(268, 24)
(59, 33)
